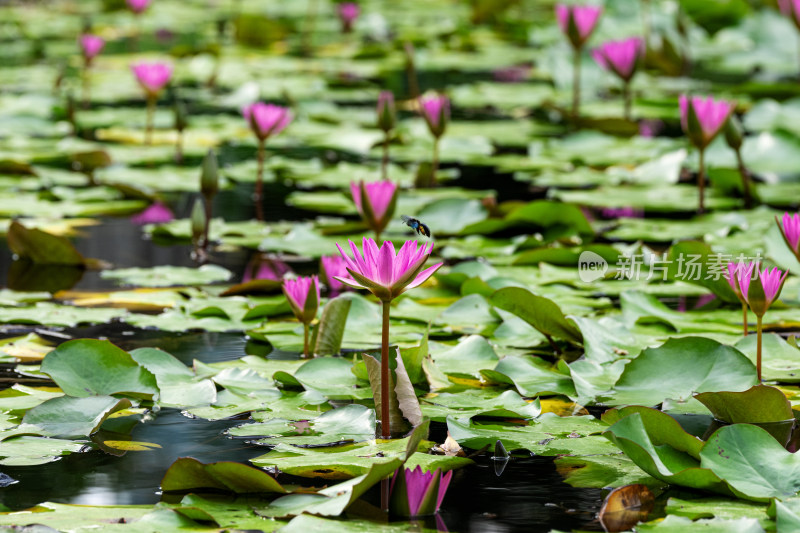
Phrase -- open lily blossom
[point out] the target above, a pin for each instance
(91, 45)
(384, 272)
(703, 118)
(620, 57)
(790, 229)
(577, 22)
(267, 120)
(418, 493)
(137, 6)
(348, 13)
(152, 76)
(436, 112)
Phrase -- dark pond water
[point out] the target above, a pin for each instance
(529, 495)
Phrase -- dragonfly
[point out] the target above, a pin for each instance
(416, 225)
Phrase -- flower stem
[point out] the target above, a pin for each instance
(701, 183)
(179, 148)
(435, 163)
(305, 340)
(208, 223)
(748, 198)
(386, 430)
(758, 346)
(626, 91)
(385, 160)
(576, 85)
(86, 86)
(260, 181)
(744, 319)
(148, 128)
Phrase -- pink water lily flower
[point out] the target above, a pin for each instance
(262, 268)
(379, 197)
(791, 10)
(418, 493)
(744, 274)
(709, 116)
(620, 57)
(385, 273)
(267, 120)
(436, 112)
(348, 13)
(303, 296)
(772, 281)
(152, 76)
(332, 266)
(157, 213)
(733, 276)
(790, 228)
(137, 6)
(577, 22)
(91, 45)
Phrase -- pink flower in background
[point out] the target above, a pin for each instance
(348, 13)
(791, 10)
(711, 116)
(332, 266)
(157, 213)
(379, 196)
(436, 112)
(577, 22)
(137, 6)
(418, 493)
(650, 127)
(622, 212)
(267, 119)
(383, 272)
(790, 227)
(303, 296)
(514, 74)
(265, 269)
(620, 57)
(91, 45)
(152, 76)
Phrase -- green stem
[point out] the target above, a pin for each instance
(305, 340)
(151, 109)
(385, 160)
(308, 36)
(85, 87)
(576, 85)
(626, 91)
(758, 346)
(179, 147)
(748, 198)
(386, 429)
(435, 163)
(260, 181)
(208, 223)
(744, 319)
(701, 183)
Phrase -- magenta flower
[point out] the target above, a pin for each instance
(744, 274)
(263, 268)
(620, 57)
(702, 119)
(791, 10)
(267, 120)
(790, 228)
(418, 493)
(375, 203)
(152, 76)
(91, 45)
(436, 112)
(577, 22)
(332, 266)
(772, 281)
(303, 296)
(137, 6)
(733, 278)
(383, 272)
(157, 213)
(348, 13)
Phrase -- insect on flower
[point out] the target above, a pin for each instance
(416, 225)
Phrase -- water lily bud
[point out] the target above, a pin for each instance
(209, 177)
(181, 115)
(734, 134)
(387, 115)
(198, 219)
